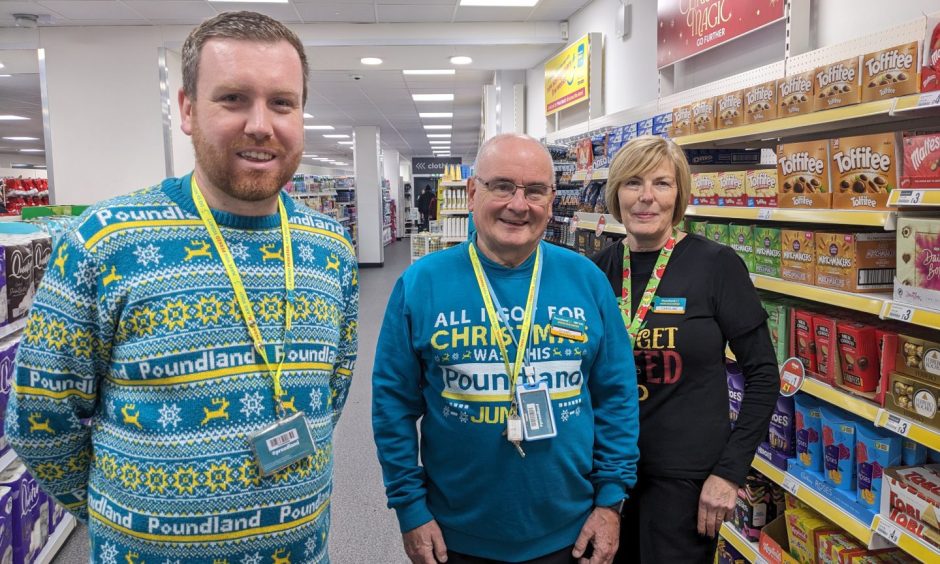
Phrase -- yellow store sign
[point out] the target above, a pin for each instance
(566, 77)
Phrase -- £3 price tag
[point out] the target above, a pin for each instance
(897, 425)
(791, 484)
(888, 530)
(900, 312)
(910, 197)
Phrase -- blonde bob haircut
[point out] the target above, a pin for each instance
(640, 156)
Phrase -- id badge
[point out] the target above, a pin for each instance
(282, 444)
(668, 305)
(568, 328)
(535, 405)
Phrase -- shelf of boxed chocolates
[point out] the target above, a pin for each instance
(747, 549)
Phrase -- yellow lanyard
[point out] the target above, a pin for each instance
(239, 288)
(511, 371)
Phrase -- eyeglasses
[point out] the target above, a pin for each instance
(659, 185)
(504, 190)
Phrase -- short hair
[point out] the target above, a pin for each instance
(489, 147)
(639, 156)
(246, 26)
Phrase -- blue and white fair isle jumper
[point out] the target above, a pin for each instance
(136, 326)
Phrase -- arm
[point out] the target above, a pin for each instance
(345, 361)
(58, 367)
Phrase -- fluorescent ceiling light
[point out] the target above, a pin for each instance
(432, 97)
(252, 1)
(308, 116)
(5, 75)
(309, 156)
(11, 117)
(22, 138)
(500, 3)
(321, 159)
(430, 71)
(345, 142)
(1, 65)
(438, 126)
(436, 114)
(439, 135)
(32, 151)
(324, 127)
(370, 61)
(460, 60)
(336, 136)
(439, 142)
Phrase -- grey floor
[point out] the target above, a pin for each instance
(363, 529)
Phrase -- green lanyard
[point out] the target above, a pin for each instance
(626, 303)
(238, 286)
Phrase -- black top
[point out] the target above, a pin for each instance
(680, 361)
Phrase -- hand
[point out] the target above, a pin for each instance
(602, 529)
(425, 544)
(716, 504)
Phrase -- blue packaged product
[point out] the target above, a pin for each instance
(782, 431)
(661, 124)
(933, 456)
(644, 127)
(735, 390)
(599, 147)
(875, 450)
(808, 427)
(614, 142)
(838, 434)
(628, 132)
(912, 453)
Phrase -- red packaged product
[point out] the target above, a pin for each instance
(827, 353)
(930, 66)
(805, 343)
(858, 351)
(921, 161)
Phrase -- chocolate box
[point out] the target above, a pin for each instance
(8, 348)
(803, 175)
(918, 261)
(681, 121)
(918, 358)
(911, 495)
(890, 72)
(863, 170)
(732, 189)
(705, 189)
(913, 398)
(837, 84)
(718, 232)
(855, 262)
(741, 239)
(729, 110)
(19, 275)
(761, 188)
(826, 339)
(6, 525)
(921, 161)
(778, 322)
(760, 102)
(798, 256)
(930, 60)
(703, 116)
(804, 340)
(795, 94)
(42, 250)
(767, 251)
(858, 354)
(25, 496)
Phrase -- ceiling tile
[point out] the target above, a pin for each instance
(98, 10)
(172, 10)
(412, 13)
(337, 12)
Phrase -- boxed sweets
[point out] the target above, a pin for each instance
(761, 188)
(614, 142)
(918, 261)
(698, 227)
(782, 432)
(795, 94)
(837, 84)
(921, 160)
(760, 102)
(875, 450)
(661, 124)
(681, 121)
(705, 189)
(913, 398)
(718, 232)
(703, 116)
(804, 340)
(732, 188)
(767, 251)
(19, 276)
(829, 544)
(803, 175)
(808, 425)
(912, 453)
(863, 170)
(890, 72)
(585, 154)
(644, 127)
(627, 133)
(754, 507)
(838, 435)
(803, 525)
(730, 109)
(778, 322)
(735, 390)
(858, 353)
(6, 525)
(912, 500)
(25, 495)
(798, 256)
(825, 336)
(42, 250)
(8, 348)
(855, 262)
(930, 60)
(599, 150)
(741, 239)
(726, 553)
(918, 358)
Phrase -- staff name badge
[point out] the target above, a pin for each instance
(568, 328)
(668, 305)
(535, 406)
(285, 442)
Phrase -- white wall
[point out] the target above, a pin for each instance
(835, 21)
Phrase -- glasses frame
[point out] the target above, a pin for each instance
(550, 196)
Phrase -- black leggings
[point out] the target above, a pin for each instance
(562, 556)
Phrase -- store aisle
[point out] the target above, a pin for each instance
(363, 529)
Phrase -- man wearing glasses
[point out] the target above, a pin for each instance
(510, 353)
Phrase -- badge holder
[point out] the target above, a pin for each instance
(282, 444)
(535, 405)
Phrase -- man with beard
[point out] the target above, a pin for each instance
(207, 328)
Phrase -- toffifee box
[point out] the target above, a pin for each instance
(795, 94)
(918, 261)
(864, 170)
(761, 188)
(729, 110)
(760, 102)
(741, 239)
(703, 116)
(803, 175)
(732, 189)
(930, 60)
(705, 188)
(855, 262)
(767, 251)
(837, 84)
(890, 72)
(921, 161)
(681, 121)
(798, 256)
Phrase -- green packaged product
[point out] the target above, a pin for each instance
(717, 232)
(741, 239)
(778, 323)
(698, 227)
(767, 251)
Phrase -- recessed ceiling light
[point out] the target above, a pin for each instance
(11, 117)
(370, 61)
(438, 127)
(1, 65)
(439, 135)
(323, 127)
(308, 116)
(500, 3)
(32, 151)
(460, 60)
(436, 114)
(22, 138)
(345, 142)
(336, 136)
(432, 97)
(430, 71)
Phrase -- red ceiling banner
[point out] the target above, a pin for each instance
(689, 27)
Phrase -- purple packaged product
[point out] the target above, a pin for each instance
(754, 507)
(735, 390)
(6, 525)
(808, 432)
(726, 553)
(4, 311)
(56, 513)
(25, 494)
(42, 250)
(599, 146)
(644, 127)
(661, 124)
(782, 433)
(19, 274)
(912, 453)
(875, 450)
(7, 355)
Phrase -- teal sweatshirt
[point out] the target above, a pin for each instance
(437, 366)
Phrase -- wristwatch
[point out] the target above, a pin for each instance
(618, 506)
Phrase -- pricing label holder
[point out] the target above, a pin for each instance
(910, 197)
(900, 312)
(764, 213)
(892, 422)
(888, 530)
(791, 484)
(601, 224)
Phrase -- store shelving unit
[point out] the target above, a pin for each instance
(907, 542)
(884, 219)
(747, 548)
(56, 540)
(452, 211)
(388, 213)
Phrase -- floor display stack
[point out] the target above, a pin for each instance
(19, 193)
(453, 221)
(832, 199)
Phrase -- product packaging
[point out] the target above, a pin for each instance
(875, 450)
(804, 339)
(6, 525)
(730, 109)
(808, 418)
(705, 189)
(856, 262)
(585, 154)
(718, 232)
(838, 433)
(644, 127)
(858, 353)
(19, 276)
(760, 102)
(825, 336)
(754, 507)
(27, 539)
(42, 250)
(802, 528)
(698, 227)
(837, 84)
(930, 60)
(891, 72)
(864, 171)
(732, 189)
(599, 150)
(782, 434)
(912, 453)
(798, 256)
(803, 175)
(741, 239)
(703, 116)
(918, 262)
(767, 251)
(830, 544)
(662, 123)
(913, 502)
(795, 94)
(761, 188)
(778, 322)
(913, 398)
(735, 390)
(921, 160)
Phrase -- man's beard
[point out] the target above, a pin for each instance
(250, 186)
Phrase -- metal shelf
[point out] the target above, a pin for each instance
(865, 303)
(747, 548)
(455, 212)
(907, 542)
(56, 539)
(12, 328)
(885, 219)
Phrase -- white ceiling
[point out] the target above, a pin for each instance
(382, 95)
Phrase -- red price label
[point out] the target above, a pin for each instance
(792, 374)
(601, 224)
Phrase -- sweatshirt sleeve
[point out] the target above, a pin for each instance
(345, 361)
(616, 409)
(397, 404)
(59, 365)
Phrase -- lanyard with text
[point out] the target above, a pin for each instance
(626, 303)
(527, 319)
(239, 288)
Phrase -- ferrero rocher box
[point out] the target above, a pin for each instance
(732, 188)
(795, 94)
(703, 116)
(890, 72)
(761, 187)
(803, 175)
(730, 109)
(837, 85)
(864, 170)
(760, 102)
(919, 358)
(681, 121)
